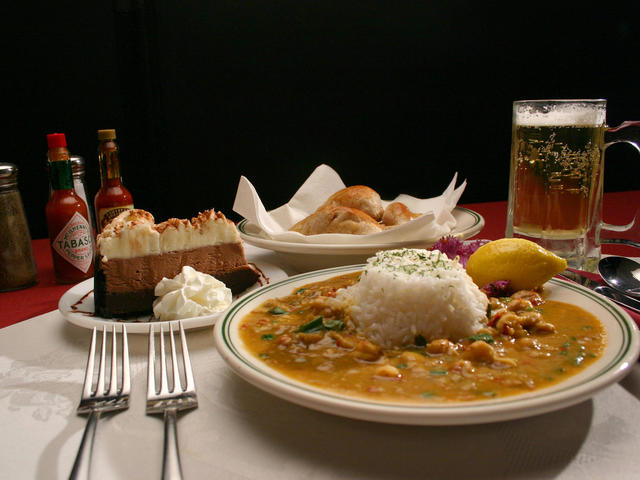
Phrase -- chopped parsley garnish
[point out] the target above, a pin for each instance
(412, 262)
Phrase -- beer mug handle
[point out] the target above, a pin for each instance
(620, 134)
(626, 132)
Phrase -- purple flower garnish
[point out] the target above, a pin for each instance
(453, 247)
(499, 288)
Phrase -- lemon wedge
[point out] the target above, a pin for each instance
(524, 263)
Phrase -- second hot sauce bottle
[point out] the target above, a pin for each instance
(113, 198)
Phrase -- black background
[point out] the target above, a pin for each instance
(395, 95)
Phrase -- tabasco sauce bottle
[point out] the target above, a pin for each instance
(112, 198)
(70, 234)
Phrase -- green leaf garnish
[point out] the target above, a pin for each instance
(318, 324)
(314, 325)
(334, 324)
(489, 394)
(277, 311)
(485, 337)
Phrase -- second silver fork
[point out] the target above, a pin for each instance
(170, 401)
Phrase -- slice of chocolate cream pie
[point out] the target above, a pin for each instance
(134, 254)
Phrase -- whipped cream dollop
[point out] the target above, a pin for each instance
(190, 294)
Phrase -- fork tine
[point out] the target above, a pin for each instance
(126, 377)
(88, 374)
(164, 383)
(177, 385)
(151, 380)
(101, 368)
(188, 372)
(113, 381)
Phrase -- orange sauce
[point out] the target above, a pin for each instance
(337, 359)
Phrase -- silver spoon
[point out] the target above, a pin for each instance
(621, 273)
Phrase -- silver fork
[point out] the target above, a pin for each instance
(95, 402)
(171, 401)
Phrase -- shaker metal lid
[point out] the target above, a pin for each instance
(77, 164)
(8, 174)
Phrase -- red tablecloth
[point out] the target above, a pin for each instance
(619, 208)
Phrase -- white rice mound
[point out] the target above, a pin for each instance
(408, 292)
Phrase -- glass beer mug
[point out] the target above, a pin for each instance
(556, 176)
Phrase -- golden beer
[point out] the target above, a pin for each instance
(555, 184)
(556, 178)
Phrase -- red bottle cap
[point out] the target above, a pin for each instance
(56, 140)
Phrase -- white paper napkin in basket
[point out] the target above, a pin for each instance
(436, 219)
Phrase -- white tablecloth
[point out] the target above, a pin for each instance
(240, 432)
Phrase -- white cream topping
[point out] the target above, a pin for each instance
(190, 294)
(134, 233)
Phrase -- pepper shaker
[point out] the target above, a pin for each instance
(17, 264)
(80, 185)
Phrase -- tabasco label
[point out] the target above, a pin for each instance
(74, 243)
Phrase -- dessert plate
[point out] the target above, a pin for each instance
(621, 352)
(314, 256)
(77, 306)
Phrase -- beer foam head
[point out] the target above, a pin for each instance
(560, 113)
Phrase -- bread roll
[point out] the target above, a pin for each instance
(397, 213)
(359, 197)
(337, 219)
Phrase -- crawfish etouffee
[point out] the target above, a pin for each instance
(525, 342)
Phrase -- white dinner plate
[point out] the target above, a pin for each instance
(77, 306)
(620, 353)
(314, 256)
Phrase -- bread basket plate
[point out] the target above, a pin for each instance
(621, 352)
(309, 256)
(77, 306)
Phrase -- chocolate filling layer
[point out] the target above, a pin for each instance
(124, 286)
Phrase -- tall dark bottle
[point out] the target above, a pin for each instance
(70, 234)
(113, 198)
